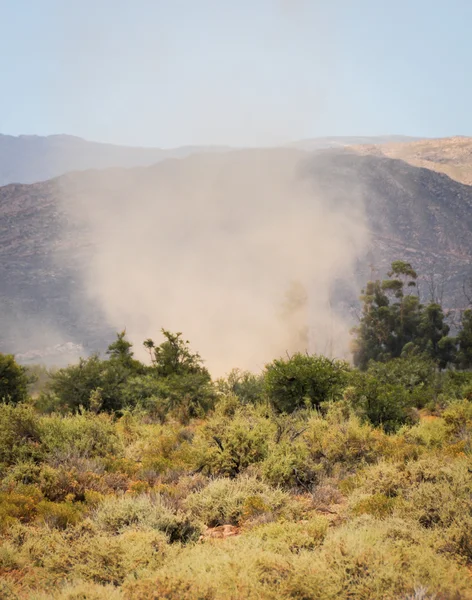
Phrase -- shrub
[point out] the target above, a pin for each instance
(20, 503)
(117, 514)
(224, 501)
(458, 416)
(384, 404)
(432, 433)
(20, 435)
(59, 515)
(295, 537)
(303, 381)
(290, 465)
(82, 435)
(377, 505)
(228, 446)
(246, 386)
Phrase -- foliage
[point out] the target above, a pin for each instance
(248, 387)
(304, 381)
(13, 380)
(394, 322)
(464, 339)
(313, 480)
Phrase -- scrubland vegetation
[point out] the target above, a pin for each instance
(311, 480)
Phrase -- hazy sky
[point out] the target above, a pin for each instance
(246, 72)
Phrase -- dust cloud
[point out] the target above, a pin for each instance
(239, 251)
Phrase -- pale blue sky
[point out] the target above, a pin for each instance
(242, 72)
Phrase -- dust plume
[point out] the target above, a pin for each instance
(211, 244)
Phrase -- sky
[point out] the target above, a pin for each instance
(168, 73)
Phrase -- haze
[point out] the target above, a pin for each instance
(161, 73)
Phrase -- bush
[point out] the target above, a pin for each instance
(304, 381)
(224, 501)
(20, 504)
(13, 380)
(20, 435)
(294, 537)
(115, 515)
(248, 388)
(458, 417)
(83, 435)
(59, 515)
(386, 405)
(228, 446)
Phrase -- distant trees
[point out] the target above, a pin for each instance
(394, 322)
(175, 379)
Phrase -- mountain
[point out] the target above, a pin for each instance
(32, 158)
(452, 156)
(208, 244)
(322, 143)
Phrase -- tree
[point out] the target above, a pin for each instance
(96, 383)
(184, 383)
(13, 380)
(433, 335)
(174, 357)
(304, 380)
(464, 341)
(394, 321)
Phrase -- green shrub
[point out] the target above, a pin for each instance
(384, 404)
(304, 381)
(246, 386)
(228, 446)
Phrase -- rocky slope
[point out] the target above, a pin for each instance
(452, 156)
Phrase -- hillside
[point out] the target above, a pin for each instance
(209, 244)
(452, 156)
(32, 158)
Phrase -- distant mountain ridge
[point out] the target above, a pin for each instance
(31, 158)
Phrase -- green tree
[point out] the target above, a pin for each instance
(13, 380)
(464, 340)
(184, 383)
(94, 382)
(174, 357)
(394, 321)
(433, 337)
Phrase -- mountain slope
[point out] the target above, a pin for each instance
(31, 158)
(451, 156)
(209, 244)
